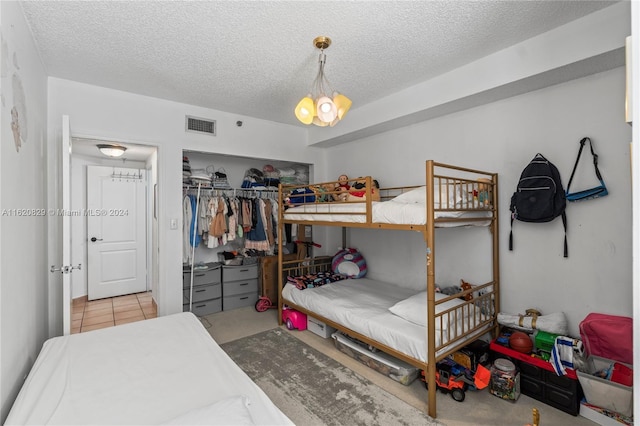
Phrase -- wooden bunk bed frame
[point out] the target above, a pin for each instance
(462, 179)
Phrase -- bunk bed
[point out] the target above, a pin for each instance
(383, 315)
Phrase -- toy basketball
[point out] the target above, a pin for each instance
(521, 342)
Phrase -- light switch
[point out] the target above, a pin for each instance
(173, 224)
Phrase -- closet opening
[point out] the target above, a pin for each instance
(229, 227)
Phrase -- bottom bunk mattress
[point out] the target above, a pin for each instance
(363, 305)
(164, 370)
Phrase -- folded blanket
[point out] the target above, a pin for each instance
(315, 280)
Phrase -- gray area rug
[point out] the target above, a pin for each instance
(313, 389)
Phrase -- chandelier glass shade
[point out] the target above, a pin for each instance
(323, 106)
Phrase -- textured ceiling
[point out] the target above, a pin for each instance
(256, 58)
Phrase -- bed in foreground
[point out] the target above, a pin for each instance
(166, 370)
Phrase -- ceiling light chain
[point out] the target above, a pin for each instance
(317, 107)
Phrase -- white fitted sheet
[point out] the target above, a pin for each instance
(362, 305)
(162, 370)
(388, 212)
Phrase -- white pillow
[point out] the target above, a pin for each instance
(414, 309)
(446, 194)
(229, 411)
(416, 195)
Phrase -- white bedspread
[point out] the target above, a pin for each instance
(163, 370)
(388, 212)
(363, 305)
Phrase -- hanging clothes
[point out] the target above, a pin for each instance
(256, 238)
(232, 218)
(219, 222)
(204, 218)
(194, 238)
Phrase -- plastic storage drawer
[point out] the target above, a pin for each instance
(204, 292)
(240, 301)
(242, 272)
(200, 277)
(204, 308)
(240, 287)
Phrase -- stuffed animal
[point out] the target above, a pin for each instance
(343, 188)
(324, 192)
(358, 191)
(481, 195)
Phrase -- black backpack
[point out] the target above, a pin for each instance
(539, 196)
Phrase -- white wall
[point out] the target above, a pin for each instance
(23, 276)
(503, 137)
(101, 113)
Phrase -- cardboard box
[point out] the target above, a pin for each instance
(477, 352)
(602, 392)
(319, 328)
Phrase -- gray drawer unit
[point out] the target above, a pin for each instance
(240, 301)
(204, 308)
(207, 289)
(236, 273)
(240, 287)
(211, 276)
(203, 292)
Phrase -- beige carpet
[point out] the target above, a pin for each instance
(479, 408)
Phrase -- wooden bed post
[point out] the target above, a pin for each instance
(496, 255)
(344, 237)
(431, 292)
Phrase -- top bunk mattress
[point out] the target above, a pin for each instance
(385, 212)
(362, 305)
(163, 370)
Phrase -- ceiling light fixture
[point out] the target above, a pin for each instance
(111, 150)
(318, 107)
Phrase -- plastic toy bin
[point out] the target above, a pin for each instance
(605, 393)
(384, 363)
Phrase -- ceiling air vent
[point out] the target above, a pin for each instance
(200, 125)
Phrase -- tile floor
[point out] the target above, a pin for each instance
(102, 313)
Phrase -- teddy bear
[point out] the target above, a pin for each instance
(325, 192)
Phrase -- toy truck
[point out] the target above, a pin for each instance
(451, 379)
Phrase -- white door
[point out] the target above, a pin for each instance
(116, 229)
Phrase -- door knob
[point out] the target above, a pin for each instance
(94, 239)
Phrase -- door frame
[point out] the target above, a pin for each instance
(79, 255)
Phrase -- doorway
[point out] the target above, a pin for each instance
(138, 157)
(116, 228)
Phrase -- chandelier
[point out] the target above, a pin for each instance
(318, 107)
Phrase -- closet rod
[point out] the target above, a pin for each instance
(271, 193)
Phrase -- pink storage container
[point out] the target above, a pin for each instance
(608, 336)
